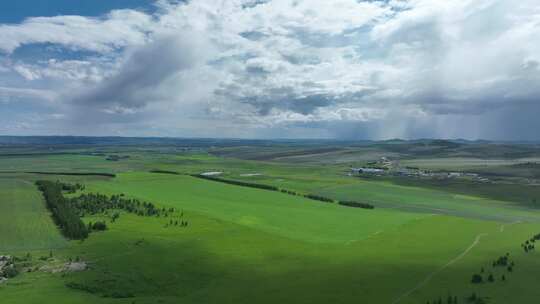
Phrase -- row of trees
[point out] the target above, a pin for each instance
(164, 172)
(319, 198)
(473, 299)
(356, 204)
(449, 300)
(176, 223)
(308, 196)
(63, 213)
(238, 183)
(286, 191)
(73, 173)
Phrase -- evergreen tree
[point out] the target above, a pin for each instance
(476, 278)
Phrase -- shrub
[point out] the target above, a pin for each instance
(164, 172)
(10, 272)
(476, 279)
(99, 226)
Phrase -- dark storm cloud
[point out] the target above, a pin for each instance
(253, 3)
(253, 35)
(138, 79)
(303, 105)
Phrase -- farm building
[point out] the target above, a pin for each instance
(366, 170)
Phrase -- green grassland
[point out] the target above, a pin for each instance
(24, 222)
(524, 195)
(216, 260)
(72, 163)
(221, 260)
(507, 202)
(391, 195)
(246, 245)
(458, 163)
(269, 211)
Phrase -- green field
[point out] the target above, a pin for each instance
(267, 211)
(244, 245)
(24, 221)
(409, 198)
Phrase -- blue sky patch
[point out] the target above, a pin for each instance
(17, 11)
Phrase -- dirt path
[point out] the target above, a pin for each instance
(431, 275)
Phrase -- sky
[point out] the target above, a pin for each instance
(344, 69)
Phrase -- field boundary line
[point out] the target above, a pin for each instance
(431, 275)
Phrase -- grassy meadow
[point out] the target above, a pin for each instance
(422, 242)
(25, 223)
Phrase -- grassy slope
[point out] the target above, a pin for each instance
(73, 163)
(517, 194)
(215, 261)
(416, 249)
(484, 202)
(519, 286)
(430, 200)
(269, 211)
(246, 245)
(464, 163)
(500, 202)
(24, 221)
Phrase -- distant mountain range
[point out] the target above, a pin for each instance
(117, 140)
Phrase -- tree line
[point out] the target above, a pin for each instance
(67, 212)
(73, 173)
(164, 172)
(236, 182)
(473, 299)
(319, 198)
(286, 191)
(449, 300)
(356, 204)
(63, 213)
